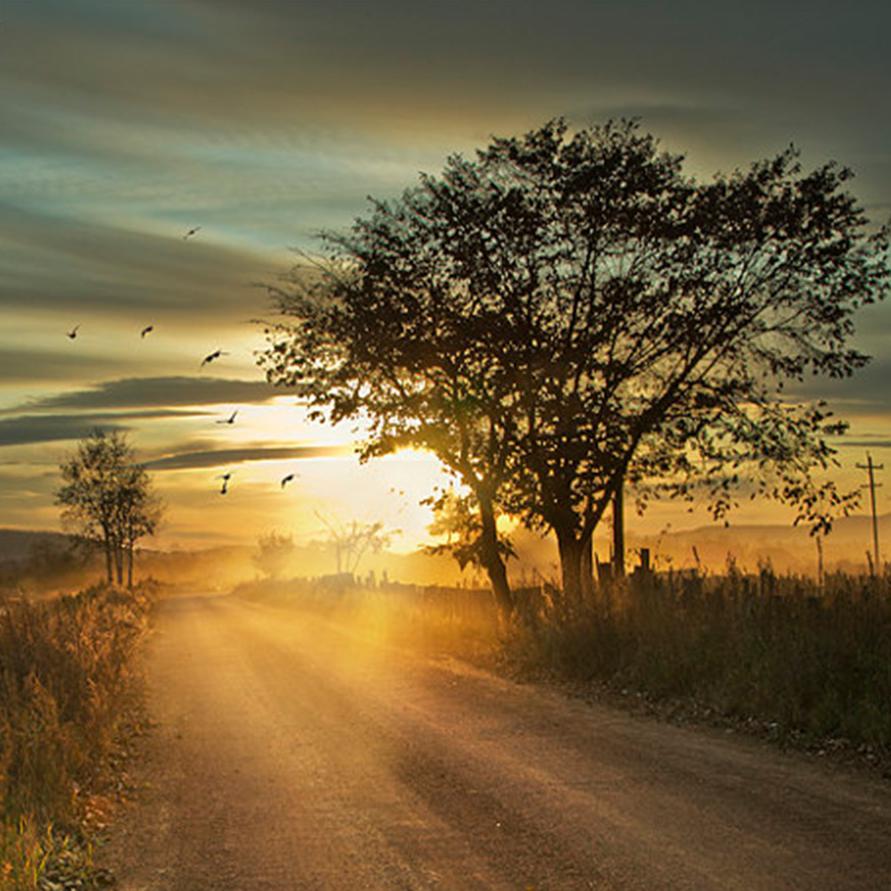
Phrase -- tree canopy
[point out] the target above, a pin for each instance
(569, 311)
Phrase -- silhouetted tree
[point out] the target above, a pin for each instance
(108, 498)
(568, 312)
(275, 550)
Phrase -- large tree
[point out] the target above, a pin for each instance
(107, 498)
(568, 311)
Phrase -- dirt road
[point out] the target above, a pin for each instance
(289, 755)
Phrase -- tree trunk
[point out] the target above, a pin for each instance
(109, 577)
(492, 562)
(571, 564)
(119, 563)
(130, 565)
(586, 569)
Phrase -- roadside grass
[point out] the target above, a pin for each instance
(777, 650)
(66, 679)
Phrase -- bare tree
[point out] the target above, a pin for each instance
(352, 541)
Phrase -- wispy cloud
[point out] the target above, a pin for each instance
(878, 443)
(867, 392)
(124, 124)
(19, 365)
(61, 262)
(32, 429)
(220, 457)
(138, 392)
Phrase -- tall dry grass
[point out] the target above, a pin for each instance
(777, 648)
(66, 676)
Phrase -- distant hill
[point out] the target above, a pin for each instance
(787, 548)
(18, 544)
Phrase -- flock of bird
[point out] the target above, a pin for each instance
(212, 357)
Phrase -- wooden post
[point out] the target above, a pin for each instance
(619, 532)
(644, 560)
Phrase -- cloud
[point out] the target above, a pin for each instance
(72, 264)
(865, 393)
(269, 66)
(124, 124)
(137, 392)
(30, 365)
(31, 429)
(265, 123)
(220, 457)
(864, 443)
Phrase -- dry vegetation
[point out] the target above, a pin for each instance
(66, 681)
(775, 651)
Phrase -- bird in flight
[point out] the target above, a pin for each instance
(214, 355)
(225, 477)
(230, 419)
(147, 330)
(193, 231)
(289, 478)
(72, 333)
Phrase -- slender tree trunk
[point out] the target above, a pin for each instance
(130, 564)
(119, 562)
(108, 571)
(492, 561)
(571, 562)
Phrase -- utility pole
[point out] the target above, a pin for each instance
(872, 485)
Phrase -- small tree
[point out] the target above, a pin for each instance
(274, 553)
(107, 498)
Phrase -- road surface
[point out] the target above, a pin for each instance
(291, 755)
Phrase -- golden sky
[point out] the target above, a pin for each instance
(126, 124)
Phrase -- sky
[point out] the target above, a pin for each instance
(126, 124)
